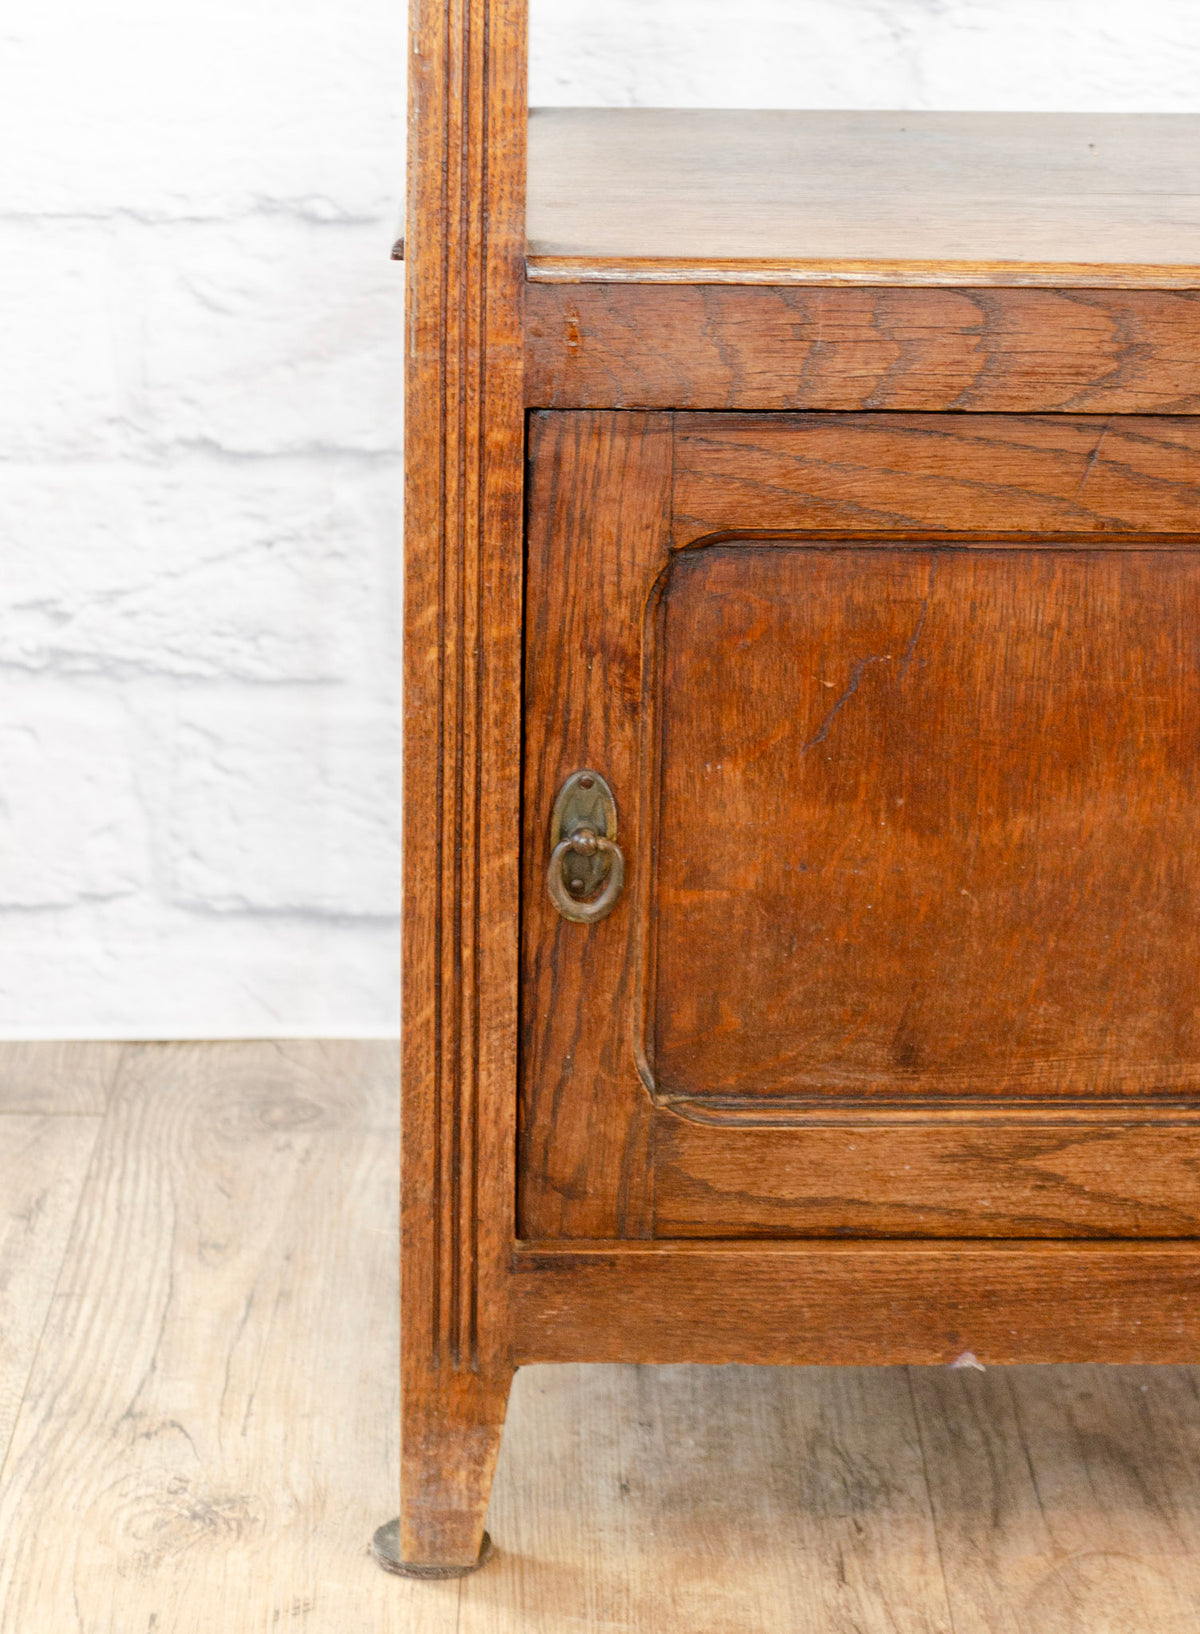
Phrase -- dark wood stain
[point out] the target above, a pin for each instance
(925, 823)
(708, 346)
(874, 592)
(858, 1303)
(1004, 474)
(884, 1178)
(464, 448)
(599, 518)
(920, 816)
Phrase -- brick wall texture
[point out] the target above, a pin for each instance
(200, 449)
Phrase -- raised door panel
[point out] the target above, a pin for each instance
(944, 804)
(910, 937)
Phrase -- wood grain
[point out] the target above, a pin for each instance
(1064, 689)
(708, 346)
(43, 1160)
(210, 1424)
(985, 474)
(940, 802)
(464, 451)
(1104, 1177)
(62, 1076)
(955, 201)
(711, 1501)
(208, 1438)
(779, 197)
(857, 1303)
(599, 521)
(1066, 1498)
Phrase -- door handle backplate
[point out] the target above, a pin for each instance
(586, 872)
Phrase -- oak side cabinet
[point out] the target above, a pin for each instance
(802, 833)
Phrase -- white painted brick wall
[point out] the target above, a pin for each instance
(200, 429)
(1068, 54)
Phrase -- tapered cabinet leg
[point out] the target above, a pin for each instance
(464, 518)
(450, 1436)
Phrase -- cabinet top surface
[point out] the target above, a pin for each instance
(650, 195)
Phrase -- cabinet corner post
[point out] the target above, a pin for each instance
(464, 453)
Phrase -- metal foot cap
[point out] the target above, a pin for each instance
(385, 1546)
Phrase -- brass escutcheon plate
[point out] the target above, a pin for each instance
(585, 805)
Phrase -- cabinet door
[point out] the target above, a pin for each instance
(901, 715)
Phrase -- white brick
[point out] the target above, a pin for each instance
(71, 827)
(203, 110)
(204, 570)
(285, 810)
(61, 389)
(199, 421)
(143, 970)
(1081, 54)
(273, 335)
(1066, 54)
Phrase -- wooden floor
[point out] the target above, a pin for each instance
(198, 1406)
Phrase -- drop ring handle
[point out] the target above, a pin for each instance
(585, 842)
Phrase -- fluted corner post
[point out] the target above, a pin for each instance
(465, 252)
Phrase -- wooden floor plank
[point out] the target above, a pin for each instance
(43, 1161)
(207, 1436)
(207, 1440)
(723, 1500)
(1067, 1498)
(65, 1076)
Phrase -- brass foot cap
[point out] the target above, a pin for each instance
(385, 1546)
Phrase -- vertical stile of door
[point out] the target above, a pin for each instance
(464, 455)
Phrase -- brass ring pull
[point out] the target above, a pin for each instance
(585, 842)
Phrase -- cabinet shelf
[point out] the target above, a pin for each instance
(716, 196)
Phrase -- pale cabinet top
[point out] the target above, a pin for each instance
(650, 195)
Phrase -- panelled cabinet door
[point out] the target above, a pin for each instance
(900, 716)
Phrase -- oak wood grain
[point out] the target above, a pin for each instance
(923, 828)
(995, 474)
(958, 202)
(598, 523)
(43, 1160)
(708, 346)
(1065, 690)
(207, 1440)
(1107, 1177)
(464, 450)
(60, 1076)
(857, 1303)
(779, 197)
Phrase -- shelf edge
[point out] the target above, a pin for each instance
(573, 269)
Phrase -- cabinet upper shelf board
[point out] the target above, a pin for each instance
(651, 195)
